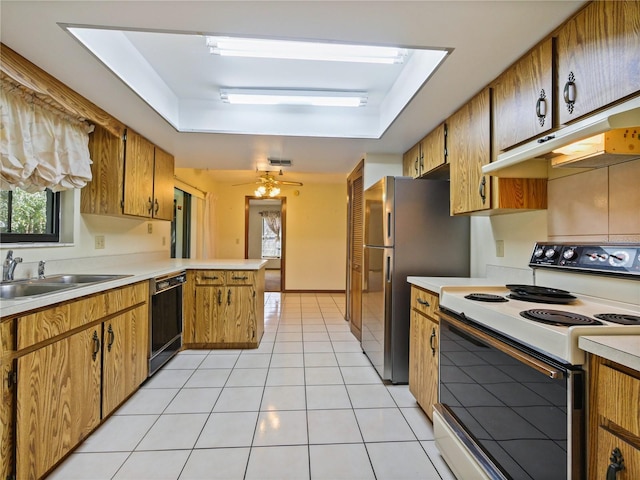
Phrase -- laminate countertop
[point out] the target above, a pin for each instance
(134, 272)
(622, 349)
(434, 284)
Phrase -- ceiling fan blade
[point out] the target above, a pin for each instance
(283, 182)
(248, 183)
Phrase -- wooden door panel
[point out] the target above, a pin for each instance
(163, 185)
(208, 302)
(138, 177)
(58, 401)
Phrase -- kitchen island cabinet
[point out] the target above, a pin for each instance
(70, 365)
(424, 339)
(224, 309)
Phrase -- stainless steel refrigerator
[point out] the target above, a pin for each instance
(407, 232)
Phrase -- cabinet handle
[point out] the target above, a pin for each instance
(569, 93)
(96, 345)
(617, 464)
(112, 337)
(423, 302)
(541, 107)
(432, 339)
(422, 161)
(219, 297)
(481, 189)
(209, 278)
(228, 297)
(157, 206)
(415, 165)
(149, 205)
(240, 278)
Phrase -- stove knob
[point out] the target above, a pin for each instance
(538, 252)
(569, 254)
(550, 253)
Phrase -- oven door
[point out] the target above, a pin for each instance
(518, 413)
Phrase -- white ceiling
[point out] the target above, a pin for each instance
(485, 37)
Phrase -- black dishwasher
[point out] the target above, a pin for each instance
(165, 335)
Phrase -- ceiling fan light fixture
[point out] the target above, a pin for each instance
(297, 50)
(314, 98)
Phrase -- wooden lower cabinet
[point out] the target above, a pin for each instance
(423, 349)
(125, 345)
(614, 420)
(226, 309)
(69, 367)
(58, 401)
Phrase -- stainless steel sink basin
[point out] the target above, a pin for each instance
(16, 290)
(80, 278)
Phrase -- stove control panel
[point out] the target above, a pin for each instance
(608, 259)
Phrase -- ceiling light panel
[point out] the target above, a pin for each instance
(314, 98)
(295, 50)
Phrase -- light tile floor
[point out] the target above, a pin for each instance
(305, 405)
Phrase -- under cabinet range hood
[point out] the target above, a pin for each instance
(606, 138)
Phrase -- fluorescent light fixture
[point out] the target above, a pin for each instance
(315, 98)
(295, 50)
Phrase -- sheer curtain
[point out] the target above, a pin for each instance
(273, 221)
(40, 146)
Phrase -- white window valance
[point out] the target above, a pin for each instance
(40, 146)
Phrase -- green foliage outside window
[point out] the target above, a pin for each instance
(28, 216)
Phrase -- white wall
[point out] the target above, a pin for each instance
(377, 166)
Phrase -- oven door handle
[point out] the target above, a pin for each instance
(504, 348)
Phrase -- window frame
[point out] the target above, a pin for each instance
(53, 223)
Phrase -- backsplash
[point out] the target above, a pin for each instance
(601, 205)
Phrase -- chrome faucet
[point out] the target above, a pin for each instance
(9, 266)
(41, 268)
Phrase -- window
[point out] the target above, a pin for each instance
(29, 217)
(270, 240)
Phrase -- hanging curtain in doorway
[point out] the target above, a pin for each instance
(208, 240)
(273, 221)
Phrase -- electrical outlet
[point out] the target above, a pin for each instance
(499, 248)
(99, 242)
(150, 227)
(164, 241)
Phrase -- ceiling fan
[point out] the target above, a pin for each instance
(269, 186)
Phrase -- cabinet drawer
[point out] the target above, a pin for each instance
(606, 443)
(209, 277)
(240, 277)
(424, 301)
(619, 399)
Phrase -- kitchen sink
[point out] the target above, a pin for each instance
(41, 286)
(79, 278)
(16, 290)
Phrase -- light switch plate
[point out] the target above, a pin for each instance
(499, 248)
(99, 242)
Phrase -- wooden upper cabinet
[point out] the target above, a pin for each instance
(138, 177)
(523, 98)
(469, 149)
(131, 177)
(163, 185)
(598, 59)
(434, 149)
(411, 162)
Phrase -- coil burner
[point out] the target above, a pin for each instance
(558, 317)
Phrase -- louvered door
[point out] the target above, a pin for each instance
(355, 245)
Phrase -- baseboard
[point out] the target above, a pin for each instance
(314, 291)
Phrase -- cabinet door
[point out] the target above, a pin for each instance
(434, 149)
(239, 323)
(407, 164)
(58, 401)
(523, 98)
(138, 176)
(423, 361)
(598, 60)
(125, 356)
(7, 342)
(163, 185)
(209, 307)
(469, 140)
(606, 444)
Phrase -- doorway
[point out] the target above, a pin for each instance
(181, 225)
(265, 228)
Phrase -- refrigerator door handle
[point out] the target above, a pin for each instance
(388, 225)
(388, 269)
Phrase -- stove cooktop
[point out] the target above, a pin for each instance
(551, 338)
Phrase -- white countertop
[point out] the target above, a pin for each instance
(136, 272)
(434, 284)
(622, 349)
